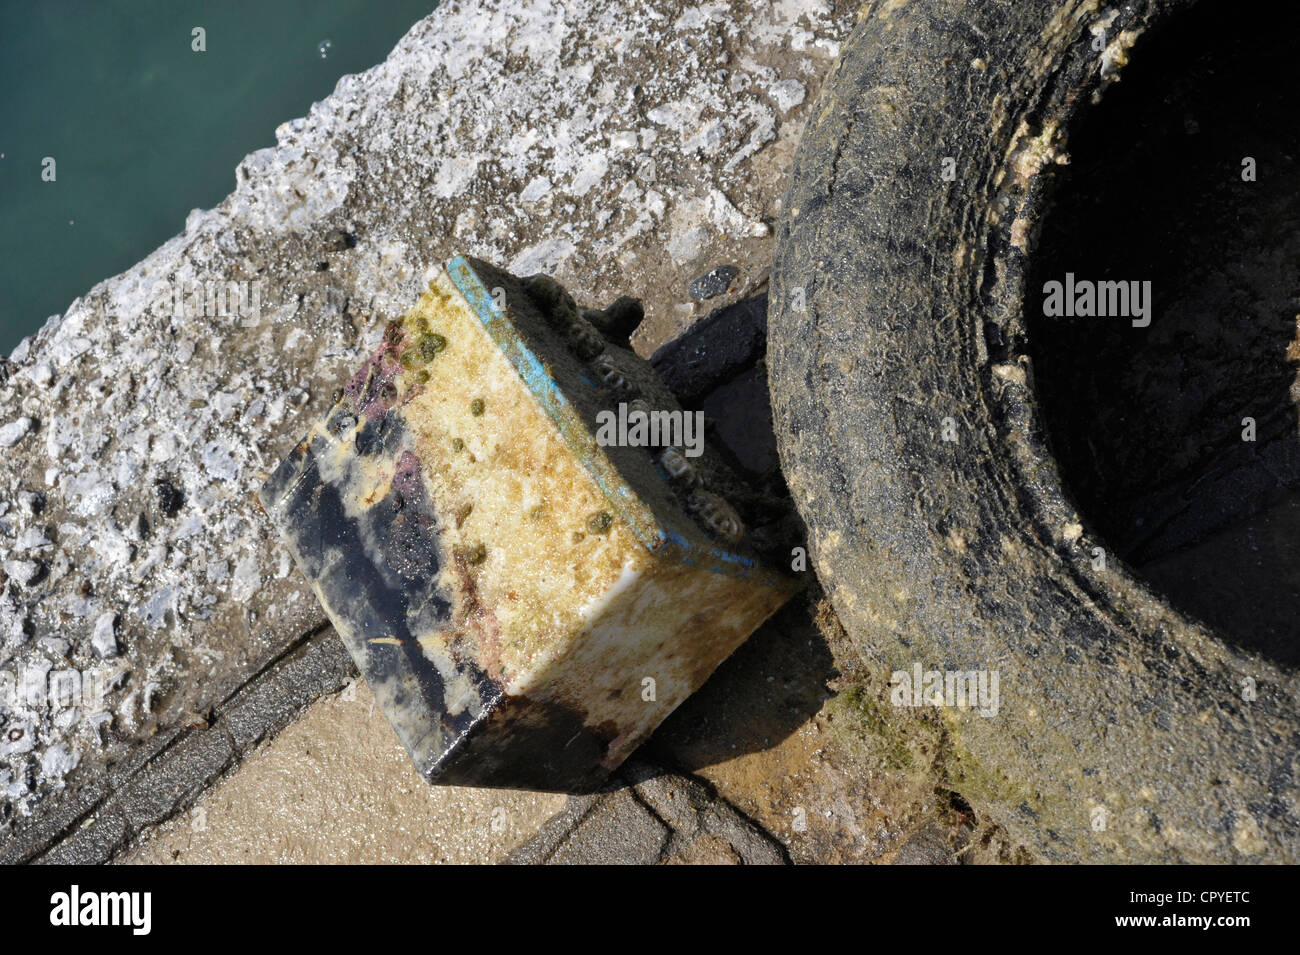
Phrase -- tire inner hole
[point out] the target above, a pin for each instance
(1148, 424)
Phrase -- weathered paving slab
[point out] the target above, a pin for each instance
(628, 148)
(338, 787)
(175, 775)
(650, 816)
(765, 764)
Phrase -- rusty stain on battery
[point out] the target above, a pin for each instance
(526, 605)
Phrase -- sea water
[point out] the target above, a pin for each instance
(118, 117)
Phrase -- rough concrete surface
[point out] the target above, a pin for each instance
(766, 764)
(627, 148)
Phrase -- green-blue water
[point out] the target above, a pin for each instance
(143, 128)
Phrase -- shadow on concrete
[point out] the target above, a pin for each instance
(763, 693)
(777, 680)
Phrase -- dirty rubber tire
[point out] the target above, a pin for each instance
(896, 303)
